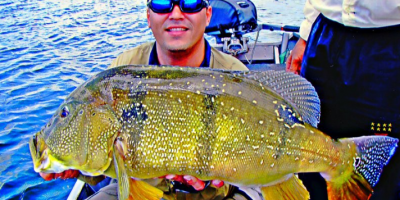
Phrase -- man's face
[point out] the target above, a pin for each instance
(178, 31)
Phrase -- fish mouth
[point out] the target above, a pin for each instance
(42, 159)
(33, 150)
(39, 158)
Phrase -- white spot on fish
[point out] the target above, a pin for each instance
(299, 125)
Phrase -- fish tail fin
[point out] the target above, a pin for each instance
(355, 181)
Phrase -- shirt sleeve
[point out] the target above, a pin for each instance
(310, 14)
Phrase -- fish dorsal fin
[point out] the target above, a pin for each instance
(294, 88)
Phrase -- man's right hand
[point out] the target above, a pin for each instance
(192, 181)
(63, 175)
(293, 63)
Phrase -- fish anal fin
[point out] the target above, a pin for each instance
(290, 189)
(355, 188)
(140, 190)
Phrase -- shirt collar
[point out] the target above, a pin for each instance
(153, 59)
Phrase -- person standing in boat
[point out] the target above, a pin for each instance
(350, 52)
(178, 27)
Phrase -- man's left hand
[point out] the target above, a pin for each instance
(71, 173)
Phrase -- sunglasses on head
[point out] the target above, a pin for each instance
(187, 6)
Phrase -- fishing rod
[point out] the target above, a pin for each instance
(273, 27)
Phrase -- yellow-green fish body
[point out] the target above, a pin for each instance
(253, 129)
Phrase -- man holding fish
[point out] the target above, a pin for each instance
(178, 27)
(255, 129)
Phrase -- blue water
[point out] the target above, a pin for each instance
(48, 48)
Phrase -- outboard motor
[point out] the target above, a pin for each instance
(230, 20)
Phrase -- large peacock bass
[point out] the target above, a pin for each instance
(249, 129)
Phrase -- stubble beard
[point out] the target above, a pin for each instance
(177, 48)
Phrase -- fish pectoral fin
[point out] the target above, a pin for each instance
(123, 178)
(131, 189)
(140, 190)
(290, 189)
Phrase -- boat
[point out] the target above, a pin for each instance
(231, 38)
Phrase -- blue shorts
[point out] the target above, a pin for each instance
(356, 73)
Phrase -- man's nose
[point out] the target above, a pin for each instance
(176, 13)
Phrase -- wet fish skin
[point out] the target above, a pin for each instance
(238, 127)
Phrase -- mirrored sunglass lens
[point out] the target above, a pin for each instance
(161, 5)
(191, 5)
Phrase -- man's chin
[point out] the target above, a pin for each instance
(177, 47)
(177, 50)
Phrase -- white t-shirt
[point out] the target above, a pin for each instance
(352, 13)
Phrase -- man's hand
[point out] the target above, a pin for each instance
(293, 63)
(196, 183)
(63, 175)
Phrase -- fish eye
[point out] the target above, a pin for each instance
(64, 112)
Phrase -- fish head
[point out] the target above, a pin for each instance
(79, 136)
